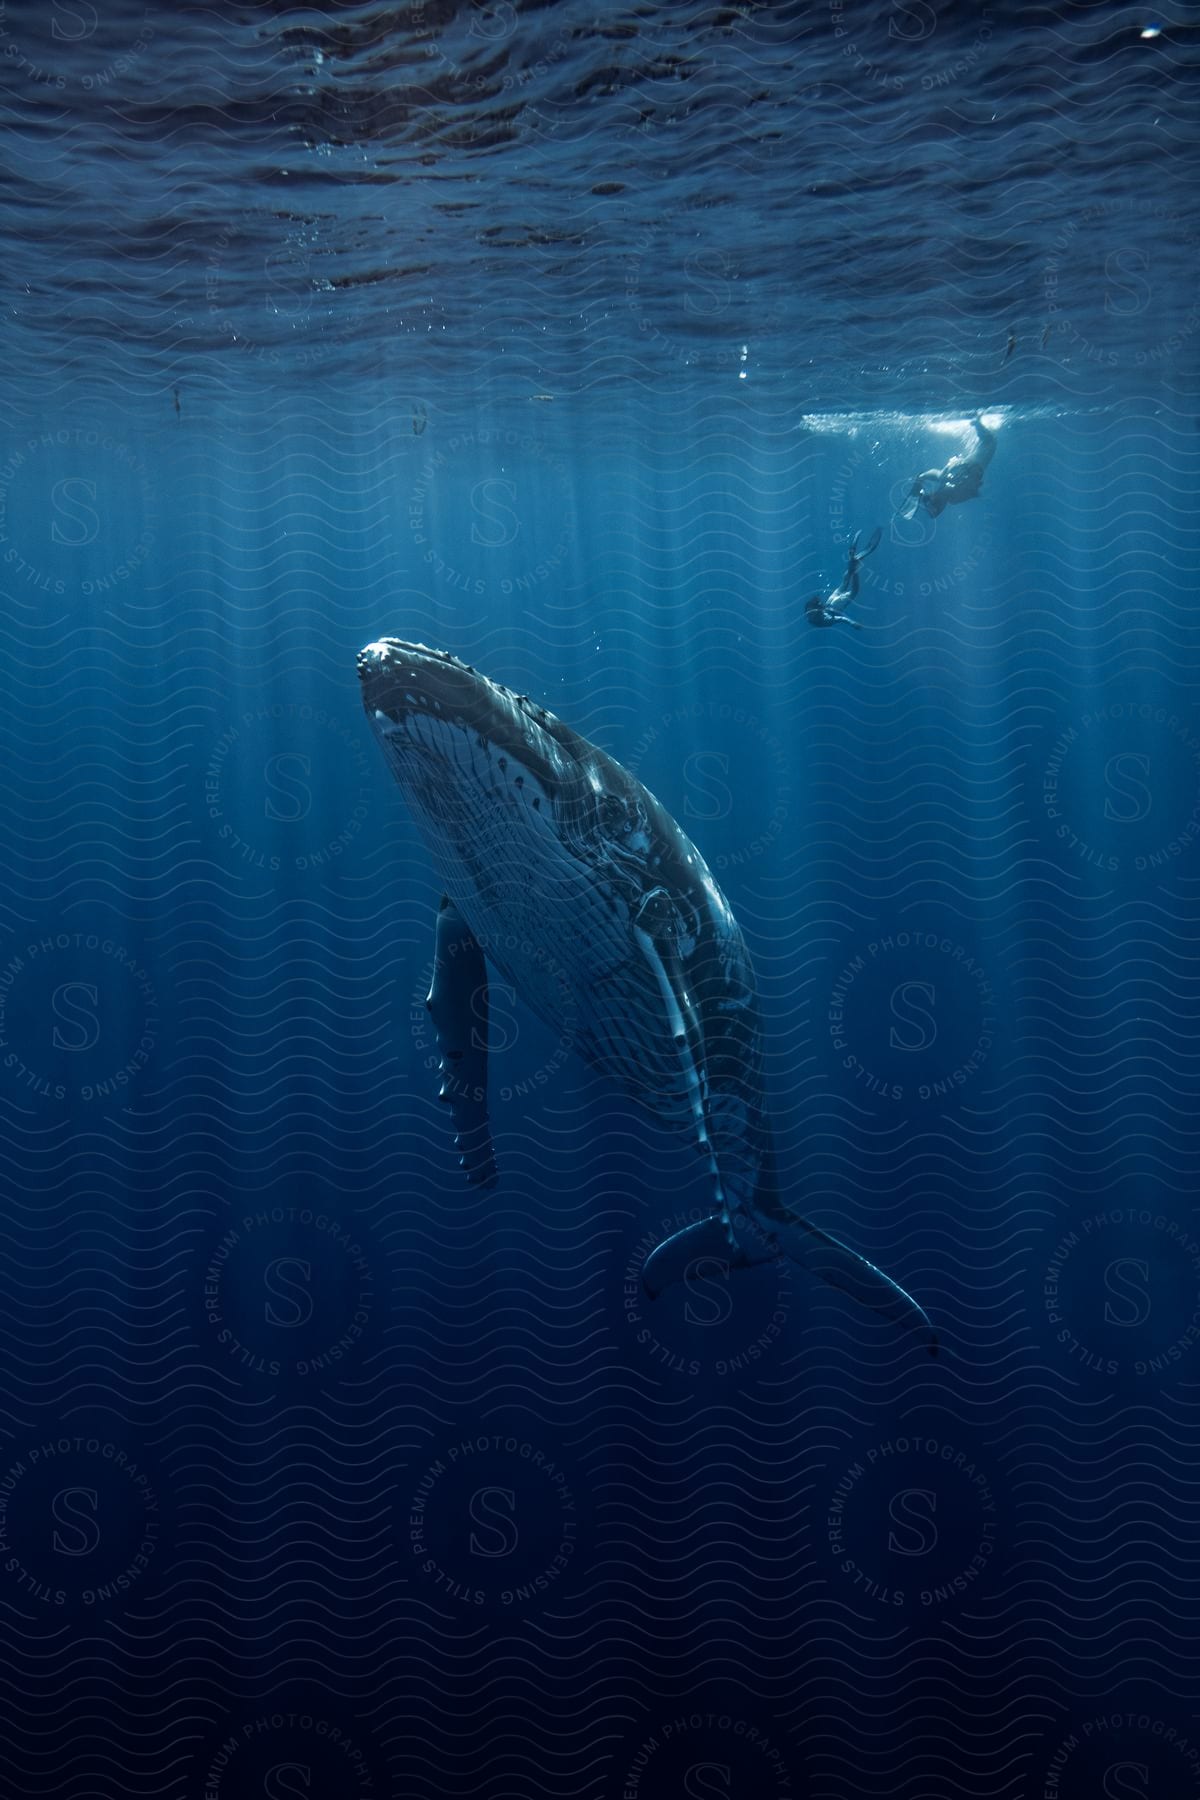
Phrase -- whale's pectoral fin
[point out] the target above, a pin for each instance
(762, 1237)
(457, 1003)
(657, 931)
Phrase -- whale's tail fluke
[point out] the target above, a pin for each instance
(765, 1236)
(843, 1268)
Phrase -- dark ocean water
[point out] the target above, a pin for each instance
(576, 339)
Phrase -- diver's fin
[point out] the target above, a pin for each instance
(458, 1006)
(872, 543)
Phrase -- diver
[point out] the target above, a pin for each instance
(961, 479)
(832, 609)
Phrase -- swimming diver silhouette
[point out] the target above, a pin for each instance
(830, 610)
(961, 479)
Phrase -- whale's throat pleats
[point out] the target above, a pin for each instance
(515, 872)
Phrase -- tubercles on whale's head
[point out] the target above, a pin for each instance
(399, 678)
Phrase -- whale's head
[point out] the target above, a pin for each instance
(437, 714)
(469, 754)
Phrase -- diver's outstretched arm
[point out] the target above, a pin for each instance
(985, 442)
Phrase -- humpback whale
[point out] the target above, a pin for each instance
(567, 876)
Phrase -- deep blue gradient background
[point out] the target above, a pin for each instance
(191, 782)
(322, 1473)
